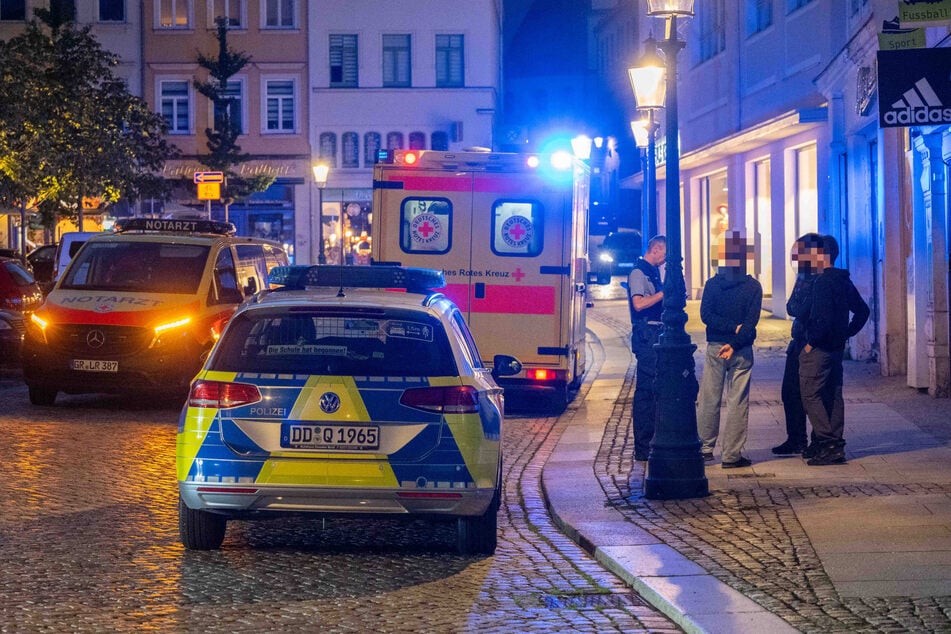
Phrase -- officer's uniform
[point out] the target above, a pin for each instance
(644, 281)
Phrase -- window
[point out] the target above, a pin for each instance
(450, 61)
(714, 219)
(394, 141)
(279, 106)
(112, 10)
(232, 109)
(230, 10)
(417, 140)
(792, 5)
(857, 5)
(426, 225)
(759, 15)
(350, 149)
(371, 147)
(516, 228)
(710, 26)
(343, 61)
(174, 14)
(279, 14)
(13, 10)
(174, 106)
(328, 148)
(759, 226)
(440, 141)
(396, 60)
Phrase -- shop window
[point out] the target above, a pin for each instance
(350, 144)
(517, 228)
(394, 141)
(328, 148)
(417, 140)
(371, 147)
(426, 225)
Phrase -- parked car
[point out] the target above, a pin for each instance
(12, 328)
(18, 289)
(615, 256)
(43, 261)
(333, 396)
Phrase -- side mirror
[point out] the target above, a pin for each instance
(252, 286)
(505, 365)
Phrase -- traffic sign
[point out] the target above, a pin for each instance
(209, 177)
(209, 191)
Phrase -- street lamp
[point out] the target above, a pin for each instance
(647, 79)
(675, 467)
(321, 172)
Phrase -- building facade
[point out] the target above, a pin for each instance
(778, 138)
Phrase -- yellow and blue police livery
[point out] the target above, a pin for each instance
(336, 395)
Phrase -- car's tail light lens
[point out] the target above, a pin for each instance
(458, 399)
(222, 395)
(541, 374)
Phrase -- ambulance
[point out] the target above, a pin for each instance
(509, 232)
(139, 309)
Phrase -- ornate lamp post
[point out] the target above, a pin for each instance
(675, 468)
(321, 172)
(644, 137)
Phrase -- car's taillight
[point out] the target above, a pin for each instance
(458, 399)
(221, 395)
(540, 374)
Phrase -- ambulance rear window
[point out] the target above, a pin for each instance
(426, 225)
(335, 343)
(517, 228)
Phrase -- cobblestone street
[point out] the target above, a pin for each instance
(89, 543)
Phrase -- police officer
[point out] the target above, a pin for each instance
(645, 288)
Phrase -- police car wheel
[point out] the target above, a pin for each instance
(200, 530)
(479, 535)
(42, 395)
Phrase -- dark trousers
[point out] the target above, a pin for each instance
(792, 395)
(643, 338)
(820, 379)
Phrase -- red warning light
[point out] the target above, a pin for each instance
(541, 374)
(410, 158)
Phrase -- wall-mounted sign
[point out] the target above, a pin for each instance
(924, 12)
(914, 87)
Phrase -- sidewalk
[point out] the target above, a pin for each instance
(779, 546)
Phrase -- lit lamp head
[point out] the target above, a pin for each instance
(641, 135)
(648, 78)
(668, 8)
(581, 147)
(321, 172)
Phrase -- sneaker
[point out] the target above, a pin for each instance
(742, 462)
(707, 456)
(810, 451)
(789, 448)
(830, 457)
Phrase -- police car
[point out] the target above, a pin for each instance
(336, 395)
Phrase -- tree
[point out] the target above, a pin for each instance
(224, 153)
(69, 128)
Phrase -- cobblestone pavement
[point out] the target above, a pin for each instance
(89, 543)
(749, 537)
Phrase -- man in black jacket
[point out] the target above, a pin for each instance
(730, 308)
(828, 327)
(798, 306)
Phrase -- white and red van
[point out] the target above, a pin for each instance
(509, 232)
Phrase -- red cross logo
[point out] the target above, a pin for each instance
(518, 274)
(426, 229)
(517, 231)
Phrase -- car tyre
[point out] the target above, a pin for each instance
(479, 535)
(45, 396)
(200, 530)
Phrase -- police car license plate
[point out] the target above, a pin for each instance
(360, 437)
(95, 365)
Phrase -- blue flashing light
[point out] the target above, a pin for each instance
(562, 160)
(412, 279)
(532, 161)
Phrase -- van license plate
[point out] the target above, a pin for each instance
(358, 437)
(95, 365)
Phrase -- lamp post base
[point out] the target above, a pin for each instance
(675, 467)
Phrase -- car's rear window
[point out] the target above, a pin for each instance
(335, 343)
(21, 277)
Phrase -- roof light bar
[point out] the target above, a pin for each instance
(175, 226)
(414, 280)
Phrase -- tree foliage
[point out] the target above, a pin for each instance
(69, 128)
(224, 153)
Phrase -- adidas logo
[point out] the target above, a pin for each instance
(919, 104)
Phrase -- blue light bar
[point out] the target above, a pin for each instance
(414, 280)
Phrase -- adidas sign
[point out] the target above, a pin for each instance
(919, 105)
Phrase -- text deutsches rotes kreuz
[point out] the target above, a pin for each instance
(476, 273)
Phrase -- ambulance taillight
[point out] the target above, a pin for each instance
(410, 158)
(541, 374)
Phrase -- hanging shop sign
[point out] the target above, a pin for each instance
(914, 87)
(913, 13)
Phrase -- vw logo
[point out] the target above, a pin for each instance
(329, 402)
(95, 339)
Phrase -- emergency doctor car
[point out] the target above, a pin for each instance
(339, 394)
(138, 309)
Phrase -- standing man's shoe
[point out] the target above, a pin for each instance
(789, 448)
(811, 451)
(742, 462)
(707, 456)
(827, 456)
